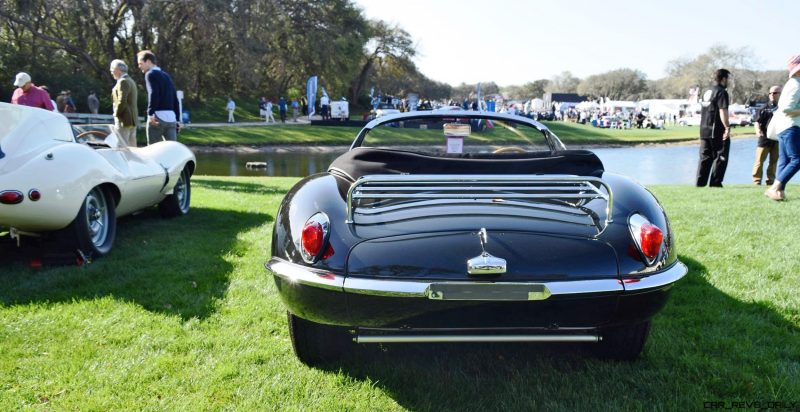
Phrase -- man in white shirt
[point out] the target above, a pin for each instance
(270, 116)
(231, 107)
(325, 107)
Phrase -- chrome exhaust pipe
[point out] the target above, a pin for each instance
(473, 338)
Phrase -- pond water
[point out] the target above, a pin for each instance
(668, 164)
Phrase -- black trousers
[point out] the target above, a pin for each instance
(713, 161)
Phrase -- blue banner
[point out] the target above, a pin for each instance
(311, 93)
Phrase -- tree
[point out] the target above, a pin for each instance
(563, 83)
(620, 84)
(385, 42)
(535, 89)
(210, 47)
(469, 91)
(685, 73)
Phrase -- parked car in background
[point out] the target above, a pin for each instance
(59, 182)
(385, 109)
(739, 115)
(488, 230)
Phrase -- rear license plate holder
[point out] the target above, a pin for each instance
(487, 291)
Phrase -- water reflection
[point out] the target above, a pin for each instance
(676, 164)
(649, 165)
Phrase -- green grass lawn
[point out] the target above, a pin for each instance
(212, 110)
(182, 316)
(569, 133)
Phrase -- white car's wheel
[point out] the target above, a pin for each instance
(92, 232)
(177, 203)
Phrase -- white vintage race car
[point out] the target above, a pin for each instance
(57, 183)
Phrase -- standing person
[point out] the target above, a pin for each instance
(60, 101)
(295, 109)
(766, 147)
(715, 132)
(304, 105)
(262, 107)
(324, 106)
(786, 123)
(53, 102)
(270, 116)
(124, 98)
(69, 103)
(282, 109)
(28, 94)
(162, 100)
(93, 103)
(230, 107)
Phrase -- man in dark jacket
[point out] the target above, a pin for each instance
(715, 132)
(765, 146)
(162, 100)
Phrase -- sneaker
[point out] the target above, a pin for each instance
(774, 194)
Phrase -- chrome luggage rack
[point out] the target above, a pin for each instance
(374, 195)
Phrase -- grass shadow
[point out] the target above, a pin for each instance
(704, 346)
(174, 266)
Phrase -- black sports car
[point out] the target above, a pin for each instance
(459, 226)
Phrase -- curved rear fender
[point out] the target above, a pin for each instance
(629, 198)
(63, 175)
(314, 194)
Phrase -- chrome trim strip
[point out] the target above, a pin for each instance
(473, 338)
(294, 273)
(390, 288)
(660, 279)
(576, 287)
(417, 289)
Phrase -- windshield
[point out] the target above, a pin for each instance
(457, 135)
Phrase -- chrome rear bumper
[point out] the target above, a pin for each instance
(480, 290)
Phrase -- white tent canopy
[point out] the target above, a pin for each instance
(588, 105)
(621, 105)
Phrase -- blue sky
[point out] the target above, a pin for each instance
(514, 42)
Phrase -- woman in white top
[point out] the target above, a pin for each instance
(786, 122)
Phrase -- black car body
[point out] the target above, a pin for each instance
(511, 239)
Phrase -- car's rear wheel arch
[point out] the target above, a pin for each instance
(113, 191)
(93, 230)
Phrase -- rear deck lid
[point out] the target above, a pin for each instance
(444, 255)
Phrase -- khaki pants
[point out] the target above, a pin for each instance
(127, 135)
(761, 156)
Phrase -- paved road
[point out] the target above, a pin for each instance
(300, 120)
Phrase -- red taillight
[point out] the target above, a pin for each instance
(11, 197)
(312, 238)
(650, 240)
(648, 237)
(34, 195)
